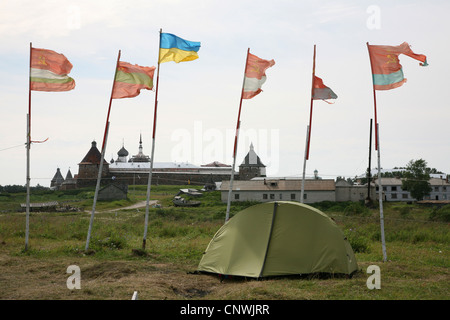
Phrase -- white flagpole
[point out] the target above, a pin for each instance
(27, 222)
(232, 175)
(152, 157)
(304, 165)
(377, 146)
(100, 169)
(380, 199)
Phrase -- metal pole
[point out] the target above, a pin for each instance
(304, 165)
(97, 187)
(152, 158)
(380, 199)
(230, 190)
(100, 169)
(369, 174)
(312, 102)
(236, 138)
(27, 222)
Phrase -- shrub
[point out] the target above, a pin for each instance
(356, 208)
(441, 214)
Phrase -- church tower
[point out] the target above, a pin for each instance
(88, 167)
(251, 166)
(140, 157)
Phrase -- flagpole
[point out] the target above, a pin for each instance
(380, 199)
(27, 222)
(100, 169)
(374, 101)
(308, 128)
(236, 138)
(377, 147)
(302, 194)
(312, 101)
(149, 185)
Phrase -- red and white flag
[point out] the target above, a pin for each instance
(255, 75)
(49, 71)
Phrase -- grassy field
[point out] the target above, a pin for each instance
(417, 241)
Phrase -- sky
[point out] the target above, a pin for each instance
(198, 101)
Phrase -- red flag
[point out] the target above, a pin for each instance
(49, 71)
(130, 79)
(255, 75)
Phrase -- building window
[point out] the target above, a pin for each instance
(436, 189)
(393, 188)
(272, 196)
(394, 196)
(405, 196)
(292, 196)
(265, 196)
(305, 196)
(236, 196)
(281, 196)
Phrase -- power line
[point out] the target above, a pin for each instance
(20, 145)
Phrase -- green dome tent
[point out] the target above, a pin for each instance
(277, 239)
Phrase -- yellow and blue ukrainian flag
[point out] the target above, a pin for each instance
(173, 48)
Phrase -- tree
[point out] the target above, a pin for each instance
(416, 179)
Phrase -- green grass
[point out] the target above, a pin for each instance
(417, 242)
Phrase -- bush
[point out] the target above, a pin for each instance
(356, 208)
(357, 242)
(441, 214)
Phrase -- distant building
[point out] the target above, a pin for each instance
(392, 190)
(280, 189)
(57, 180)
(135, 170)
(252, 166)
(89, 166)
(346, 191)
(113, 191)
(69, 182)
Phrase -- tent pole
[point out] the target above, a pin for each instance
(275, 206)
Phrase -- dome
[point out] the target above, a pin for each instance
(122, 152)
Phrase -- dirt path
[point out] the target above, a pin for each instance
(137, 205)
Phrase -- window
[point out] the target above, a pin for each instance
(393, 188)
(265, 196)
(272, 196)
(292, 196)
(281, 196)
(236, 196)
(405, 196)
(436, 189)
(305, 196)
(394, 196)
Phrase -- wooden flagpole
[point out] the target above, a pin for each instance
(236, 138)
(149, 185)
(308, 130)
(27, 222)
(377, 147)
(100, 169)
